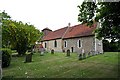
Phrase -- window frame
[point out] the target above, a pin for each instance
(55, 44)
(45, 44)
(65, 45)
(79, 43)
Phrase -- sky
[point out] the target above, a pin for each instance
(53, 14)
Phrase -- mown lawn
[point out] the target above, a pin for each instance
(60, 66)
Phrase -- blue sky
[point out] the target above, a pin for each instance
(53, 14)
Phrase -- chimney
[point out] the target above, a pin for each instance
(69, 24)
(46, 31)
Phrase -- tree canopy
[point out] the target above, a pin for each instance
(18, 35)
(106, 13)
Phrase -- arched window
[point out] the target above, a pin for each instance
(55, 43)
(45, 45)
(79, 43)
(65, 43)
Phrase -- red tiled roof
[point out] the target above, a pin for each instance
(79, 31)
(55, 34)
(71, 32)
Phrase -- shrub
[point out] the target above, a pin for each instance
(6, 57)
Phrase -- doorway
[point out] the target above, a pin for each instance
(72, 49)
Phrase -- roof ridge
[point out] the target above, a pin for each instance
(59, 29)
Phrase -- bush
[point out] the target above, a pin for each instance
(6, 57)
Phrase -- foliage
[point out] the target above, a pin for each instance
(106, 46)
(4, 15)
(106, 13)
(6, 57)
(17, 35)
(87, 11)
(110, 46)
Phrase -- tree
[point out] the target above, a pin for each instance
(110, 46)
(4, 18)
(18, 35)
(106, 13)
(113, 46)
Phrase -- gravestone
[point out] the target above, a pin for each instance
(89, 54)
(52, 51)
(68, 52)
(93, 53)
(41, 51)
(84, 55)
(80, 56)
(28, 58)
(83, 51)
(63, 51)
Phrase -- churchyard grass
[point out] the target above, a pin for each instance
(58, 65)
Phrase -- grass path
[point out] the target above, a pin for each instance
(60, 66)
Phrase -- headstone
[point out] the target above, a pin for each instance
(63, 50)
(83, 51)
(42, 53)
(93, 53)
(28, 58)
(101, 53)
(52, 51)
(68, 52)
(80, 56)
(89, 54)
(84, 55)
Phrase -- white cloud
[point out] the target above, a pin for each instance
(53, 14)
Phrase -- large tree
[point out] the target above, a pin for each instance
(18, 35)
(110, 46)
(106, 13)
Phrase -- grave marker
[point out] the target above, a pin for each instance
(80, 56)
(52, 51)
(84, 55)
(42, 51)
(28, 58)
(89, 54)
(68, 52)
